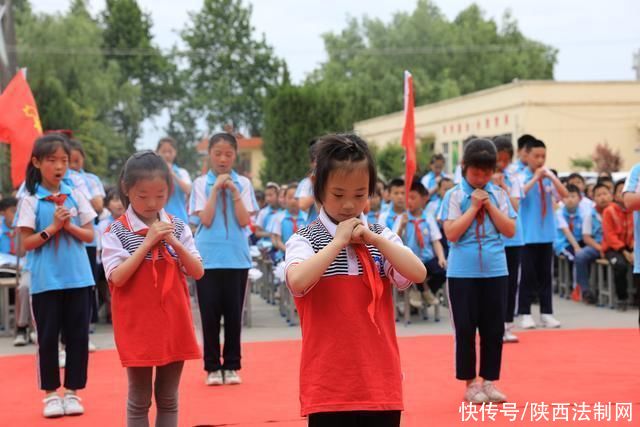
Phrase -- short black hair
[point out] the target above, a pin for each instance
(600, 185)
(553, 171)
(443, 180)
(576, 175)
(524, 140)
(479, 153)
(535, 143)
(503, 143)
(571, 188)
(76, 145)
(44, 146)
(604, 179)
(396, 182)
(8, 202)
(140, 165)
(259, 195)
(272, 186)
(468, 140)
(223, 137)
(417, 186)
(437, 157)
(167, 140)
(112, 194)
(339, 151)
(618, 184)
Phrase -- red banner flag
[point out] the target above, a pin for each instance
(409, 132)
(19, 125)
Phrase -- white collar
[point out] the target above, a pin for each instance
(330, 226)
(137, 224)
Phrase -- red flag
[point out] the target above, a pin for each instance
(409, 132)
(19, 125)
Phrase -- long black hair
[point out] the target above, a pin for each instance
(142, 165)
(223, 137)
(337, 151)
(43, 147)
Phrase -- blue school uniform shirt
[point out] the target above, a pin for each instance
(177, 203)
(567, 219)
(220, 246)
(372, 217)
(385, 206)
(62, 265)
(592, 225)
(537, 229)
(430, 233)
(516, 191)
(7, 237)
(467, 257)
(632, 185)
(430, 180)
(283, 226)
(433, 207)
(95, 189)
(305, 189)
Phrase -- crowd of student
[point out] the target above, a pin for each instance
(490, 231)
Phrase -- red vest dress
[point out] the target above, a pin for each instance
(151, 312)
(350, 359)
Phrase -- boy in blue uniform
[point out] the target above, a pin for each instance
(569, 218)
(392, 217)
(541, 187)
(592, 236)
(287, 223)
(421, 234)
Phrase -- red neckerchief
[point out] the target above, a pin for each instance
(223, 194)
(59, 200)
(372, 278)
(295, 223)
(480, 231)
(571, 221)
(543, 198)
(418, 231)
(11, 234)
(158, 248)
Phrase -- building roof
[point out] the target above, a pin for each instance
(253, 143)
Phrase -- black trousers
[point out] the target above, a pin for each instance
(478, 304)
(91, 253)
(620, 267)
(65, 312)
(355, 419)
(513, 265)
(221, 294)
(536, 277)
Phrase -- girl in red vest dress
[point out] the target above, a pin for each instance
(146, 254)
(340, 270)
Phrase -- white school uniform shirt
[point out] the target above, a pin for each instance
(386, 220)
(299, 249)
(114, 254)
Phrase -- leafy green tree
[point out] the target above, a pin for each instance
(230, 70)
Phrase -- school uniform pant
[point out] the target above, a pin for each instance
(583, 260)
(67, 312)
(478, 304)
(221, 294)
(620, 267)
(23, 300)
(91, 254)
(165, 389)
(355, 419)
(536, 264)
(513, 254)
(436, 275)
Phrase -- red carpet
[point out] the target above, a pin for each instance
(547, 366)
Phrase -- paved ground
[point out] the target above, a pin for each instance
(269, 326)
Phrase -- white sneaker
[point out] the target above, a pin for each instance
(232, 378)
(492, 392)
(415, 298)
(214, 378)
(548, 321)
(92, 347)
(475, 394)
(527, 322)
(53, 407)
(72, 405)
(34, 337)
(430, 298)
(62, 358)
(508, 335)
(21, 339)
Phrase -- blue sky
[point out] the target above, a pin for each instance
(596, 39)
